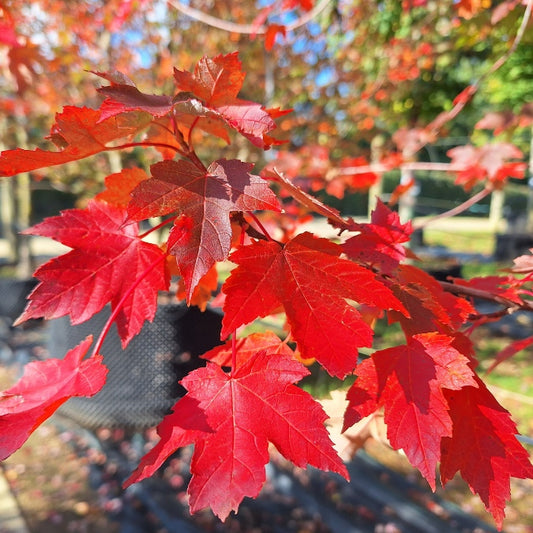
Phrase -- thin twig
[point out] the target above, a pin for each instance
(456, 210)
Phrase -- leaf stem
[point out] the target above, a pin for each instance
(233, 351)
(120, 304)
(155, 145)
(160, 225)
(261, 227)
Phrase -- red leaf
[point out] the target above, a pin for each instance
(487, 161)
(400, 190)
(465, 95)
(468, 8)
(123, 96)
(483, 447)
(203, 292)
(497, 120)
(106, 259)
(312, 283)
(256, 405)
(8, 34)
(379, 243)
(408, 382)
(429, 307)
(25, 61)
(509, 351)
(202, 235)
(79, 133)
(120, 185)
(501, 286)
(44, 386)
(357, 181)
(267, 342)
(217, 82)
(271, 33)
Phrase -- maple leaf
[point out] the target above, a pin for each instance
(119, 186)
(273, 30)
(106, 259)
(409, 381)
(203, 291)
(123, 96)
(483, 447)
(44, 386)
(425, 299)
(247, 347)
(162, 136)
(231, 418)
(357, 181)
(468, 8)
(204, 198)
(312, 283)
(505, 287)
(509, 351)
(79, 133)
(216, 82)
(25, 60)
(498, 121)
(379, 243)
(486, 162)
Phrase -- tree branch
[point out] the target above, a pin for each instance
(250, 29)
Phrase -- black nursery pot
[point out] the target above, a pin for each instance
(13, 293)
(142, 383)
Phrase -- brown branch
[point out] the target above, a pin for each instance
(249, 29)
(456, 210)
(510, 306)
(379, 168)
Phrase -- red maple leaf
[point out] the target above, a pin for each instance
(106, 259)
(231, 418)
(509, 351)
(119, 186)
(468, 8)
(425, 299)
(247, 347)
(216, 82)
(506, 287)
(498, 121)
(204, 198)
(312, 283)
(409, 381)
(203, 291)
(380, 242)
(272, 31)
(79, 133)
(483, 447)
(357, 181)
(122, 96)
(486, 162)
(44, 386)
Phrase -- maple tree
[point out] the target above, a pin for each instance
(330, 291)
